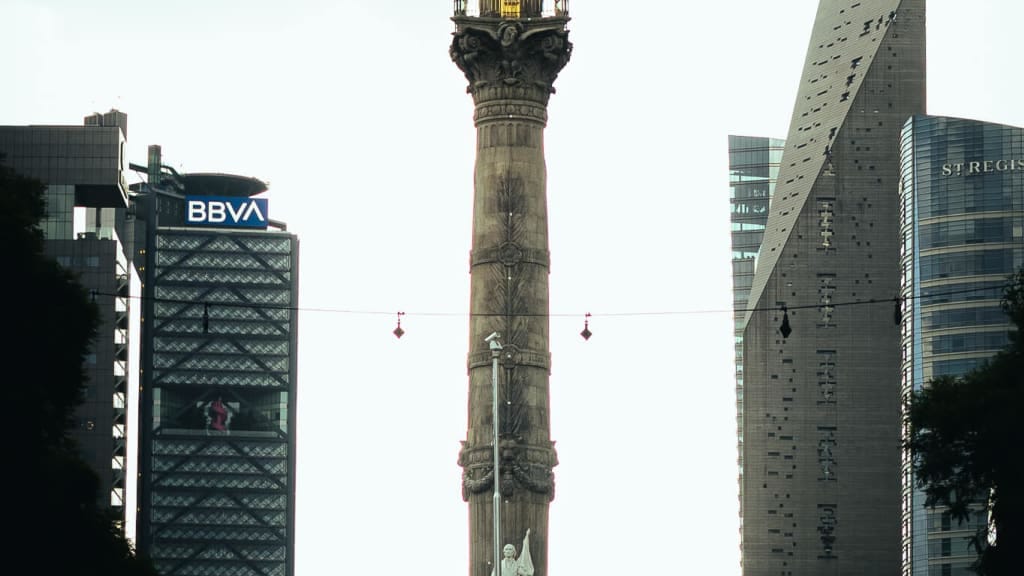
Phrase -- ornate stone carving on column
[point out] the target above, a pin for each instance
(523, 467)
(512, 60)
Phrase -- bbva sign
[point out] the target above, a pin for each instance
(226, 211)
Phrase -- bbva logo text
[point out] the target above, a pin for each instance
(226, 211)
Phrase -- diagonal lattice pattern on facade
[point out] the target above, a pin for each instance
(219, 462)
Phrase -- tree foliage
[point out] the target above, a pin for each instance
(966, 441)
(57, 522)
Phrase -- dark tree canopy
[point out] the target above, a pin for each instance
(56, 524)
(49, 316)
(966, 439)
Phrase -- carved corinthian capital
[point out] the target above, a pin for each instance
(505, 59)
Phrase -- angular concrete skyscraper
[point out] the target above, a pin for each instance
(821, 491)
(511, 51)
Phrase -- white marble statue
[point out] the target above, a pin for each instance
(521, 566)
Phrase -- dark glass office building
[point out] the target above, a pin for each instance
(753, 170)
(962, 235)
(85, 230)
(217, 462)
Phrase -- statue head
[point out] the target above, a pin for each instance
(508, 33)
(510, 551)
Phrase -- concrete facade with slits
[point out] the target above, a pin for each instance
(821, 492)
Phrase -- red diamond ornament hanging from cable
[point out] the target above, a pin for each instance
(586, 333)
(398, 332)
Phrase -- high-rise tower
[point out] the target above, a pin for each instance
(86, 195)
(962, 237)
(753, 171)
(220, 337)
(821, 492)
(511, 51)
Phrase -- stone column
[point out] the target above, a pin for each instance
(511, 66)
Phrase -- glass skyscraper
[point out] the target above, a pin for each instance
(217, 457)
(85, 231)
(962, 236)
(753, 170)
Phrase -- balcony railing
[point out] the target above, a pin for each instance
(512, 9)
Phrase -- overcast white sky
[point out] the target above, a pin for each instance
(355, 115)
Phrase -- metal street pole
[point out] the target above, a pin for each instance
(495, 345)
